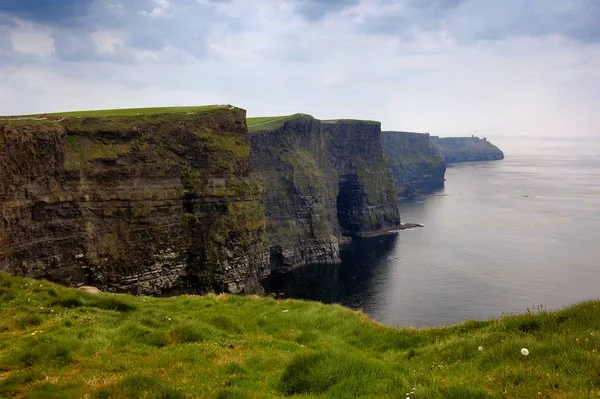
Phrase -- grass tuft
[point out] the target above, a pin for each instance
(57, 342)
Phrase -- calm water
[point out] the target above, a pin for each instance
(508, 235)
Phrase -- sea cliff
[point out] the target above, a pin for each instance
(291, 159)
(466, 149)
(324, 180)
(416, 165)
(145, 202)
(172, 200)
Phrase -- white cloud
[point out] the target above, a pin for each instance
(160, 9)
(436, 74)
(106, 41)
(31, 39)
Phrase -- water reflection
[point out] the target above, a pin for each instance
(364, 273)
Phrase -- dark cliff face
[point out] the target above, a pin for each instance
(415, 163)
(300, 194)
(466, 149)
(366, 201)
(322, 180)
(149, 204)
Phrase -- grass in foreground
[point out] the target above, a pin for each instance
(61, 343)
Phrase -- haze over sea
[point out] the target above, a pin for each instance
(500, 236)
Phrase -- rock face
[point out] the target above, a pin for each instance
(300, 194)
(366, 201)
(416, 165)
(466, 149)
(150, 204)
(323, 180)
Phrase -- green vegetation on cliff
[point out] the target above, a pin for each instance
(63, 343)
(269, 122)
(135, 111)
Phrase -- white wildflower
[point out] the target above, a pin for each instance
(525, 351)
(480, 349)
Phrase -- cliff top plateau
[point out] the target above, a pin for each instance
(126, 112)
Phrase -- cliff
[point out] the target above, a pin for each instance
(147, 202)
(323, 180)
(466, 149)
(366, 201)
(301, 187)
(416, 165)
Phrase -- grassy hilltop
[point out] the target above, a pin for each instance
(57, 342)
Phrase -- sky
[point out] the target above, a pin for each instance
(448, 67)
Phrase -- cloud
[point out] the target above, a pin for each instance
(316, 10)
(55, 12)
(482, 20)
(93, 29)
(29, 39)
(443, 66)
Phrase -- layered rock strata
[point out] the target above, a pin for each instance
(151, 204)
(323, 180)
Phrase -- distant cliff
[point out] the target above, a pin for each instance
(323, 180)
(416, 165)
(149, 204)
(466, 149)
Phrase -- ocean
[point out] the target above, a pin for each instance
(501, 237)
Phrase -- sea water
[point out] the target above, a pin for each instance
(501, 236)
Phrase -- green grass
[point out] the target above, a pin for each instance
(134, 111)
(62, 343)
(269, 122)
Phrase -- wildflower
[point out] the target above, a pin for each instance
(480, 349)
(168, 318)
(524, 351)
(285, 311)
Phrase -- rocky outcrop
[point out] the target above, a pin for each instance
(323, 180)
(150, 204)
(416, 165)
(466, 149)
